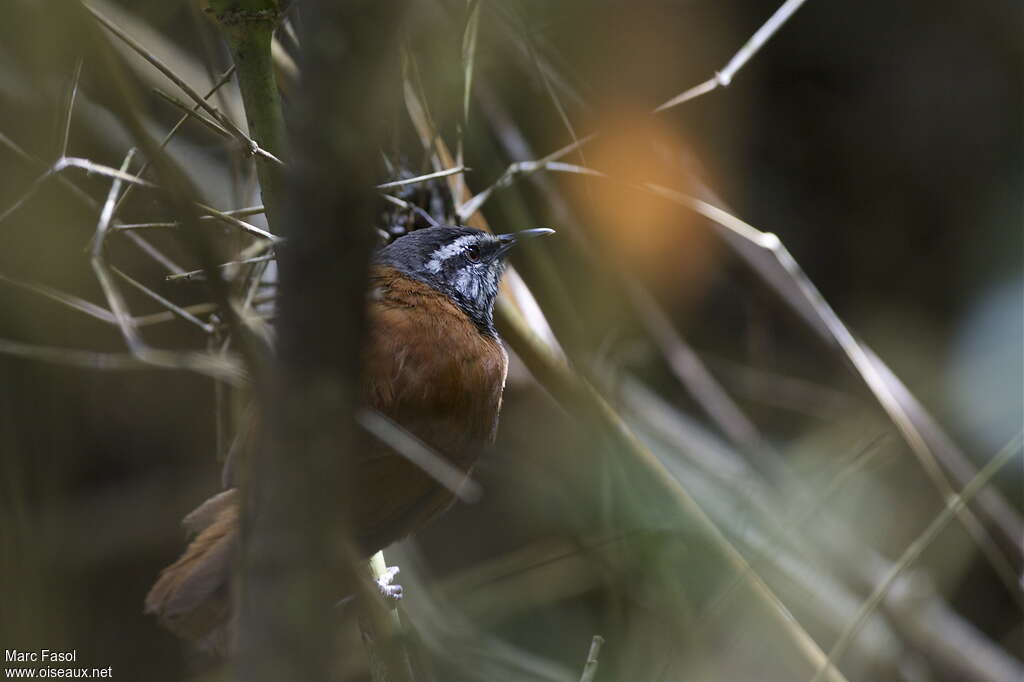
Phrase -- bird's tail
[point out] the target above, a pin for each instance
(192, 596)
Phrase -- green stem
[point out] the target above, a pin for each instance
(381, 629)
(248, 27)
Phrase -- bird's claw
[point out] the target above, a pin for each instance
(388, 588)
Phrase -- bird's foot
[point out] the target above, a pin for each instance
(391, 591)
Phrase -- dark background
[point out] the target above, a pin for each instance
(881, 142)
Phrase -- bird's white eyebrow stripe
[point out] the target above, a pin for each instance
(449, 250)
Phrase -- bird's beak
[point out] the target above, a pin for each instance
(512, 238)
(526, 234)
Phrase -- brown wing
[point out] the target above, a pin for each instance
(432, 371)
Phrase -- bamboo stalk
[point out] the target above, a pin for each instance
(248, 27)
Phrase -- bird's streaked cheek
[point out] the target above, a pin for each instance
(494, 277)
(467, 284)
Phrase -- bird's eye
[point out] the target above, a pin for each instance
(473, 253)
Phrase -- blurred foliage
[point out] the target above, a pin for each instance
(882, 144)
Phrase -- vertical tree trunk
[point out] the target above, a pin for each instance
(296, 558)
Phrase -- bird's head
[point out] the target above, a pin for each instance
(460, 262)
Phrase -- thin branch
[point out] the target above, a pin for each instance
(167, 316)
(237, 213)
(590, 669)
(64, 163)
(724, 77)
(78, 192)
(224, 368)
(410, 207)
(120, 175)
(721, 78)
(91, 167)
(232, 220)
(114, 299)
(469, 40)
(424, 178)
(552, 94)
(191, 113)
(694, 374)
(143, 52)
(419, 453)
(225, 77)
(173, 308)
(795, 521)
(469, 37)
(156, 254)
(224, 120)
(692, 93)
(87, 200)
(69, 300)
(201, 273)
(195, 309)
(68, 109)
(526, 168)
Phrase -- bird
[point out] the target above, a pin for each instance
(433, 363)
